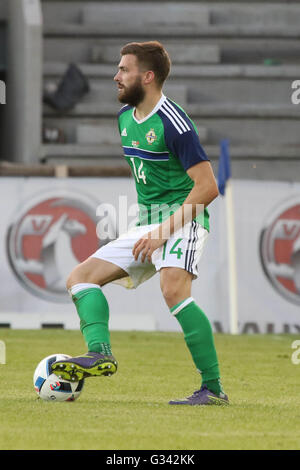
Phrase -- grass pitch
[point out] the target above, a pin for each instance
(130, 409)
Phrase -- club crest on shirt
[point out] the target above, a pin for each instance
(151, 136)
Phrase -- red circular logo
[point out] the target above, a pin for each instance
(280, 249)
(49, 236)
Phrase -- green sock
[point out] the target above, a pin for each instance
(214, 386)
(199, 339)
(93, 311)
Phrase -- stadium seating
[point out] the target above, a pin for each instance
(233, 66)
(3, 67)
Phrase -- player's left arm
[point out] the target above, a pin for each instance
(205, 188)
(204, 191)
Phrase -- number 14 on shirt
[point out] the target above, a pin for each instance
(139, 174)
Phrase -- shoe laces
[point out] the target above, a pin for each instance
(197, 392)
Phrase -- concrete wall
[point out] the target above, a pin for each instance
(3, 9)
(3, 59)
(24, 81)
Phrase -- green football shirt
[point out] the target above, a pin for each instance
(160, 149)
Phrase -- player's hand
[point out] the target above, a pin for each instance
(146, 245)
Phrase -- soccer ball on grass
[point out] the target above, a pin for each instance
(49, 386)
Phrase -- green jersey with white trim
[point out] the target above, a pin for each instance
(160, 149)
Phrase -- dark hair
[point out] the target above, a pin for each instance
(152, 55)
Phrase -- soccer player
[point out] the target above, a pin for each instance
(175, 184)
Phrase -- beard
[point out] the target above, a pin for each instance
(132, 95)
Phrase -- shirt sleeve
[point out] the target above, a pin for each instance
(187, 148)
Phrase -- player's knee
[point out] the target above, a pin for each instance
(170, 292)
(70, 281)
(175, 285)
(76, 276)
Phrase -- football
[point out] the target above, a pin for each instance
(51, 387)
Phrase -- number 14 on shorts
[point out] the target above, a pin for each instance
(173, 251)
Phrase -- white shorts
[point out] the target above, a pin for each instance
(182, 250)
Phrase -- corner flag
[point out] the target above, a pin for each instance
(224, 171)
(224, 182)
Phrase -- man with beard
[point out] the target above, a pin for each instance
(175, 184)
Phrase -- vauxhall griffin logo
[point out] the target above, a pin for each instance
(48, 237)
(280, 249)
